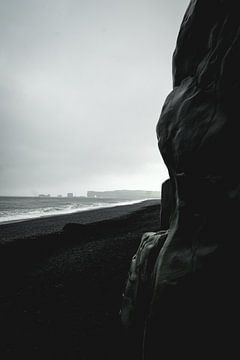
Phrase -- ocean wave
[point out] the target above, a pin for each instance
(17, 215)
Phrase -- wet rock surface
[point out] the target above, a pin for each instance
(187, 296)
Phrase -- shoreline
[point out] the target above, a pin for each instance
(61, 292)
(123, 203)
(48, 224)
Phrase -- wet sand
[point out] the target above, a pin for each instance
(52, 224)
(62, 280)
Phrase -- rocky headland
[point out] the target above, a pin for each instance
(182, 296)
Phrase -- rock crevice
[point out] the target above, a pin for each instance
(186, 272)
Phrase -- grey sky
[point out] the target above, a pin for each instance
(82, 83)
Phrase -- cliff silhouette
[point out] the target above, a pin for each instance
(181, 296)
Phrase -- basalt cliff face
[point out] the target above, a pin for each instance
(182, 296)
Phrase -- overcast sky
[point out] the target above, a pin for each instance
(82, 84)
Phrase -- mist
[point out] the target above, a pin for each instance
(82, 87)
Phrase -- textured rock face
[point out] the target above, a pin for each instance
(191, 269)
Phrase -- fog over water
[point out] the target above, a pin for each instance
(82, 84)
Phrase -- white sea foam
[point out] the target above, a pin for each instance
(31, 208)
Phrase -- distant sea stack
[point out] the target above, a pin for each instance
(124, 194)
(181, 297)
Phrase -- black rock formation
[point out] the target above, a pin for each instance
(182, 296)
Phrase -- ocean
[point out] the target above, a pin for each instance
(15, 209)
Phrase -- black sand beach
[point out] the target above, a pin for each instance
(62, 280)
